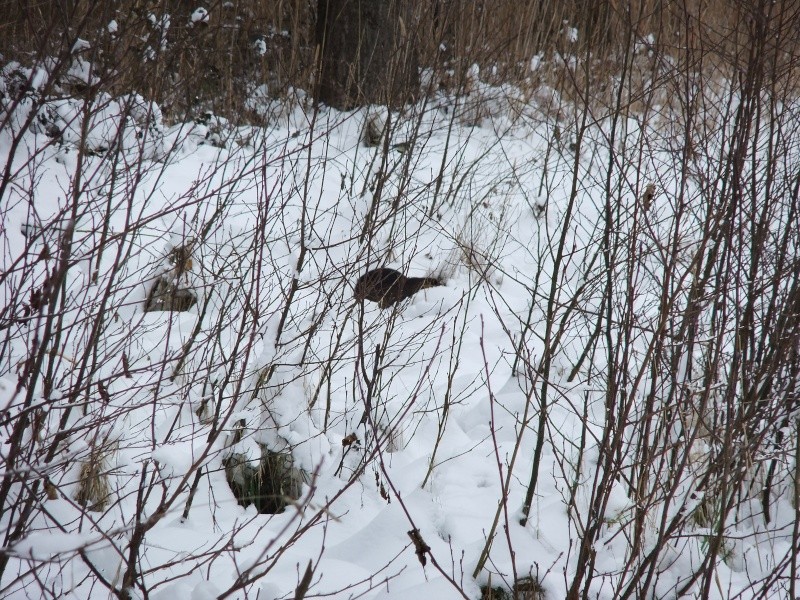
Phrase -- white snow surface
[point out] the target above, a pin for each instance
(449, 424)
(199, 15)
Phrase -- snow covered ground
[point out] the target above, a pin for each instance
(551, 230)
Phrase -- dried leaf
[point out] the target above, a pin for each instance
(126, 367)
(421, 548)
(104, 395)
(50, 490)
(45, 253)
(648, 196)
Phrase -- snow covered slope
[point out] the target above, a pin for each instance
(583, 352)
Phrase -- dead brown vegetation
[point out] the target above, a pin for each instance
(210, 64)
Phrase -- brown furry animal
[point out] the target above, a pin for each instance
(387, 286)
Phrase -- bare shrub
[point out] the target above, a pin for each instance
(639, 381)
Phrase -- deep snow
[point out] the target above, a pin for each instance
(290, 201)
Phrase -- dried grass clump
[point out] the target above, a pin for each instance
(93, 485)
(525, 588)
(374, 129)
(171, 292)
(479, 243)
(270, 486)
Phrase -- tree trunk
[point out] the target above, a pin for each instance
(367, 53)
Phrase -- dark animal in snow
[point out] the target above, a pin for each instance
(387, 286)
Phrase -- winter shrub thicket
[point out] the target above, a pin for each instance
(601, 401)
(197, 58)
